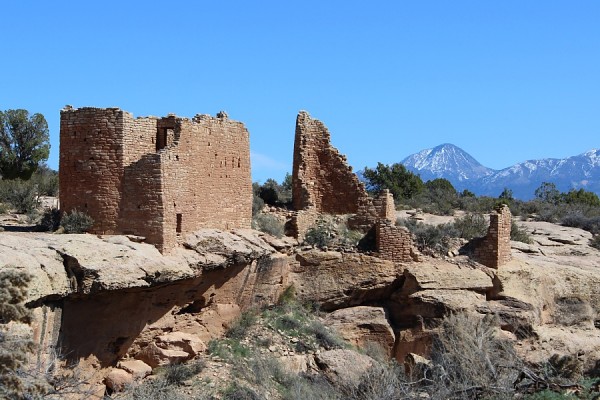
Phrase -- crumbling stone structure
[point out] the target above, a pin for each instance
(393, 242)
(322, 182)
(159, 178)
(494, 249)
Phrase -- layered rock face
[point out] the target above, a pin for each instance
(126, 306)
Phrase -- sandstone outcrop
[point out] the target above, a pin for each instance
(362, 326)
(337, 280)
(118, 301)
(343, 367)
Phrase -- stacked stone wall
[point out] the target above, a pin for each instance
(164, 177)
(91, 164)
(393, 243)
(494, 250)
(321, 178)
(384, 205)
(323, 182)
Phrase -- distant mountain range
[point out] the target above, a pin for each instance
(465, 172)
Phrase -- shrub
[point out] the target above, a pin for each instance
(595, 242)
(15, 348)
(430, 239)
(320, 235)
(519, 234)
(579, 220)
(471, 226)
(76, 222)
(235, 391)
(157, 389)
(240, 326)
(257, 202)
(269, 224)
(178, 373)
(46, 181)
(311, 388)
(385, 381)
(324, 337)
(471, 361)
(21, 195)
(50, 220)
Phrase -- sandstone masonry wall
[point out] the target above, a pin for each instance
(322, 182)
(155, 177)
(393, 243)
(494, 250)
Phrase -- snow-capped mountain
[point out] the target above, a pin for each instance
(451, 162)
(446, 161)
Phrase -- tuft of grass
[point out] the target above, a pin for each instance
(240, 326)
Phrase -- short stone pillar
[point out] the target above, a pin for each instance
(494, 250)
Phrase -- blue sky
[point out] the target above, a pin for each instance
(505, 80)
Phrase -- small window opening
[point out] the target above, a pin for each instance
(239, 162)
(179, 222)
(161, 139)
(176, 157)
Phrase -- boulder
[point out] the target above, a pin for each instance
(155, 356)
(343, 367)
(362, 325)
(336, 280)
(218, 249)
(118, 379)
(137, 368)
(187, 342)
(439, 274)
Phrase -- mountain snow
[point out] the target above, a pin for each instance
(451, 162)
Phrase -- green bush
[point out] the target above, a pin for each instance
(579, 220)
(269, 224)
(257, 202)
(46, 181)
(430, 239)
(15, 349)
(321, 234)
(178, 373)
(519, 234)
(595, 242)
(471, 226)
(76, 222)
(21, 195)
(50, 220)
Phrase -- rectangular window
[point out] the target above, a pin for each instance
(179, 222)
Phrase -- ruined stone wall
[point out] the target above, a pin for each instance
(321, 179)
(91, 164)
(322, 182)
(393, 243)
(384, 205)
(494, 250)
(158, 177)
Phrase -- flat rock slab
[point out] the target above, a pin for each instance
(445, 275)
(337, 280)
